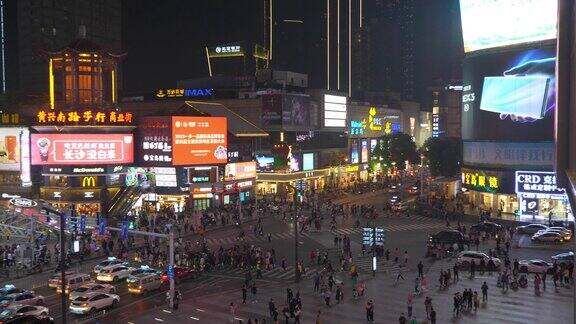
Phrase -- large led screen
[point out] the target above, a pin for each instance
(509, 96)
(335, 108)
(239, 171)
(81, 149)
(295, 110)
(307, 161)
(199, 140)
(495, 23)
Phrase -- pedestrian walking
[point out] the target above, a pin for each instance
(402, 319)
(410, 303)
(428, 306)
(484, 292)
(400, 275)
(271, 307)
(472, 269)
(544, 279)
(319, 317)
(432, 316)
(370, 311)
(455, 270)
(244, 294)
(232, 310)
(254, 291)
(420, 269)
(476, 301)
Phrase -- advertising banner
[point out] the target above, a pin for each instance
(10, 148)
(510, 155)
(271, 110)
(81, 149)
(335, 111)
(354, 157)
(537, 182)
(238, 171)
(265, 163)
(364, 151)
(510, 22)
(296, 110)
(509, 96)
(154, 141)
(199, 140)
(488, 180)
(307, 161)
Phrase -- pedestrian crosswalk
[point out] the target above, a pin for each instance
(364, 265)
(230, 240)
(277, 273)
(390, 299)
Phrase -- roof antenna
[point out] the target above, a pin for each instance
(82, 31)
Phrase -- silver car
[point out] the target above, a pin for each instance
(93, 302)
(90, 288)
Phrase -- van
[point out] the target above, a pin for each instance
(143, 283)
(74, 281)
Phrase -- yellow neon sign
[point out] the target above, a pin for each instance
(51, 84)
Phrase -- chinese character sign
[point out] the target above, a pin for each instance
(488, 180)
(199, 140)
(243, 170)
(538, 182)
(81, 149)
(154, 143)
(83, 117)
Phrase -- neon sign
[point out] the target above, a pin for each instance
(87, 117)
(184, 93)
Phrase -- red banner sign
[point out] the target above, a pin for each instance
(81, 149)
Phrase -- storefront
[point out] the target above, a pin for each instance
(273, 185)
(490, 190)
(540, 198)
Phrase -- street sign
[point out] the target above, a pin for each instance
(170, 272)
(368, 236)
(124, 231)
(102, 226)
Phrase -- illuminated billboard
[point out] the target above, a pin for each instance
(364, 151)
(509, 96)
(10, 155)
(238, 171)
(295, 110)
(307, 161)
(496, 23)
(335, 108)
(154, 142)
(81, 149)
(271, 110)
(199, 140)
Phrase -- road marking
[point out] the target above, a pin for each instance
(158, 319)
(238, 318)
(200, 310)
(167, 311)
(194, 318)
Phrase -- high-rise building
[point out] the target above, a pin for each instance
(32, 26)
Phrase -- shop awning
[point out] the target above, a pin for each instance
(237, 125)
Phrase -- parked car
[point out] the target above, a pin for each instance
(93, 302)
(25, 298)
(10, 289)
(486, 226)
(564, 259)
(465, 258)
(534, 266)
(548, 236)
(448, 237)
(530, 228)
(90, 288)
(180, 273)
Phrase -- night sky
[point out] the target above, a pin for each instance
(165, 40)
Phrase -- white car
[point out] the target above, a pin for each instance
(108, 262)
(114, 273)
(548, 236)
(93, 302)
(531, 228)
(465, 258)
(56, 280)
(534, 266)
(90, 288)
(24, 309)
(24, 298)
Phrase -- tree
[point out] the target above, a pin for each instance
(396, 149)
(443, 155)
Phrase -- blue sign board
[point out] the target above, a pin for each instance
(170, 272)
(124, 230)
(102, 226)
(82, 223)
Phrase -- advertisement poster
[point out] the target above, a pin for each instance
(238, 171)
(271, 110)
(509, 155)
(373, 144)
(354, 158)
(509, 96)
(10, 149)
(510, 22)
(199, 140)
(81, 149)
(364, 150)
(296, 110)
(154, 144)
(307, 161)
(265, 163)
(295, 160)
